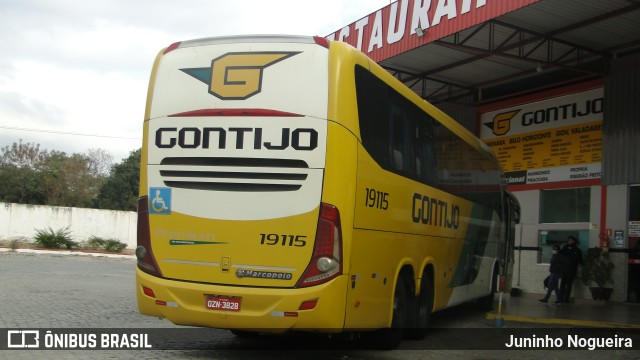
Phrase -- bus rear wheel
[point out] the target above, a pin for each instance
(423, 304)
(486, 303)
(389, 338)
(244, 333)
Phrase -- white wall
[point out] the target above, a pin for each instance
(17, 220)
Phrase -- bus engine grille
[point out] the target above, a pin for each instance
(233, 174)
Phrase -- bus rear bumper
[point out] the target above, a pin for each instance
(261, 309)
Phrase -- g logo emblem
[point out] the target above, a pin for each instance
(237, 76)
(502, 122)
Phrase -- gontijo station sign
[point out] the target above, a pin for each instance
(554, 140)
(392, 30)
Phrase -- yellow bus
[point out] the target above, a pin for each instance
(292, 184)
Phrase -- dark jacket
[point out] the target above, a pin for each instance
(573, 252)
(560, 263)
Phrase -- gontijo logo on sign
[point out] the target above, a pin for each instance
(567, 110)
(237, 76)
(501, 123)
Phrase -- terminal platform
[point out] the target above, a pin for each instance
(527, 308)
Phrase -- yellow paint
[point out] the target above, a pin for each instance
(378, 242)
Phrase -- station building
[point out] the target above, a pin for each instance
(553, 87)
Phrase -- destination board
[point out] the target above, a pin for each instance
(565, 144)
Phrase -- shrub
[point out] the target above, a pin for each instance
(597, 268)
(95, 243)
(110, 245)
(50, 239)
(16, 242)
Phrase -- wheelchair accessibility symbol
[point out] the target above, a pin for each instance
(160, 201)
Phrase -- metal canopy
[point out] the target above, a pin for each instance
(540, 46)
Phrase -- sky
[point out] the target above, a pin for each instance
(74, 73)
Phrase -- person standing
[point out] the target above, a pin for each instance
(572, 251)
(558, 266)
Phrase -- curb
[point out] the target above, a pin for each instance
(69, 253)
(559, 321)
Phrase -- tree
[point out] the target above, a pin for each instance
(20, 165)
(29, 175)
(22, 155)
(120, 190)
(69, 180)
(100, 162)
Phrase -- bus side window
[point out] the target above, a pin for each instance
(372, 112)
(425, 155)
(401, 134)
(396, 143)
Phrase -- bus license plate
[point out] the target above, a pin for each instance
(224, 303)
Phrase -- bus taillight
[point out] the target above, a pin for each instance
(321, 41)
(326, 262)
(171, 47)
(144, 254)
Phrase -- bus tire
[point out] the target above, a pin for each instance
(390, 338)
(485, 303)
(421, 314)
(244, 333)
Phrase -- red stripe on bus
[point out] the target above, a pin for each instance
(235, 112)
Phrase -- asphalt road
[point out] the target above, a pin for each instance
(45, 291)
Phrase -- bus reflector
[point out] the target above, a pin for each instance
(308, 305)
(327, 251)
(148, 292)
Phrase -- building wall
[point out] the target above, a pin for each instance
(22, 221)
(611, 185)
(622, 122)
(617, 215)
(529, 273)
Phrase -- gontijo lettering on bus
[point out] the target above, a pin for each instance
(431, 211)
(305, 139)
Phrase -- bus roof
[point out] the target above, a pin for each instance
(236, 39)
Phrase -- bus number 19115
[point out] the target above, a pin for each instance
(283, 240)
(377, 199)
